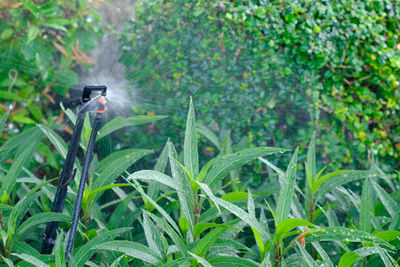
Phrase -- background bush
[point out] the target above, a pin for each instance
(42, 44)
(275, 71)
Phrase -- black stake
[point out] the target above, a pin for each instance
(68, 172)
(85, 170)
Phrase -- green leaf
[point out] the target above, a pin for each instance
(210, 194)
(10, 96)
(55, 26)
(149, 175)
(32, 33)
(121, 122)
(200, 260)
(55, 139)
(115, 164)
(83, 253)
(40, 218)
(287, 190)
(170, 232)
(287, 225)
(22, 119)
(235, 196)
(116, 263)
(8, 262)
(31, 259)
(3, 121)
(93, 193)
(210, 135)
(59, 253)
(344, 234)
(225, 164)
(388, 202)
(367, 207)
(388, 235)
(67, 78)
(331, 180)
(232, 261)
(191, 156)
(160, 166)
(6, 34)
(5, 207)
(21, 208)
(244, 216)
(24, 155)
(348, 259)
(310, 164)
(153, 236)
(185, 195)
(201, 227)
(387, 260)
(203, 246)
(306, 256)
(159, 208)
(132, 249)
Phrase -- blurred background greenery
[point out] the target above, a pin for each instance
(260, 73)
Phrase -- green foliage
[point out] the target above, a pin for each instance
(254, 69)
(265, 69)
(41, 44)
(192, 213)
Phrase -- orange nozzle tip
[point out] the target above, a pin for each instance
(102, 100)
(102, 111)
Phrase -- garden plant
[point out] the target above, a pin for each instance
(263, 133)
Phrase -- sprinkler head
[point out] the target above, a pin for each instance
(87, 91)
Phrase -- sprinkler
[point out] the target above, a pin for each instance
(68, 171)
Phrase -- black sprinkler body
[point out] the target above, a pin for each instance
(87, 91)
(68, 172)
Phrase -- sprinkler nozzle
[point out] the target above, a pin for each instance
(102, 105)
(87, 91)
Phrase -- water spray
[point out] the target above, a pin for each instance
(68, 172)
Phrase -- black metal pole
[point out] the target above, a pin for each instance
(82, 182)
(67, 174)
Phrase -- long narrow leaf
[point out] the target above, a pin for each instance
(31, 259)
(209, 134)
(227, 163)
(40, 218)
(171, 233)
(388, 202)
(150, 175)
(345, 234)
(186, 197)
(245, 217)
(121, 122)
(331, 180)
(153, 236)
(154, 187)
(132, 249)
(24, 155)
(115, 164)
(191, 156)
(83, 253)
(287, 190)
(223, 261)
(367, 206)
(207, 241)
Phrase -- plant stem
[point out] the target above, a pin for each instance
(277, 255)
(311, 211)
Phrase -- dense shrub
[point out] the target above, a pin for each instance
(41, 42)
(264, 69)
(41, 45)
